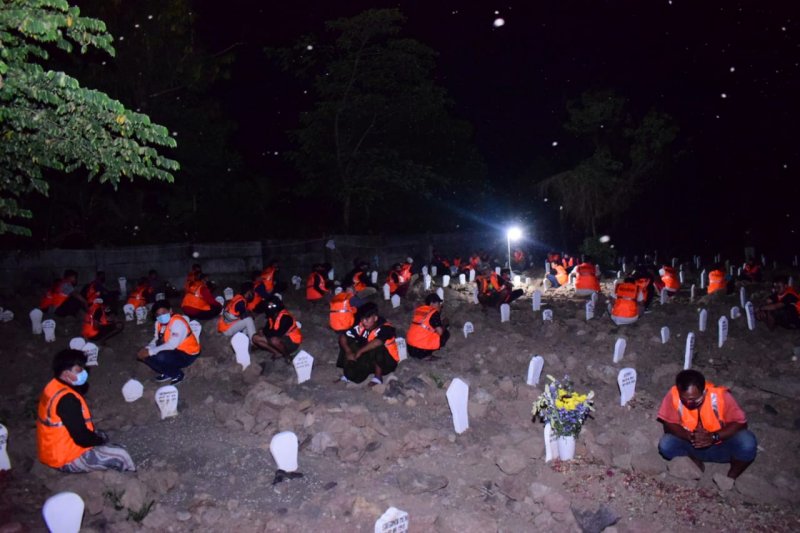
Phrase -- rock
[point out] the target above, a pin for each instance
(135, 495)
(648, 463)
(413, 481)
(459, 521)
(555, 502)
(600, 372)
(352, 445)
(160, 481)
(595, 519)
(723, 482)
(363, 508)
(417, 384)
(754, 488)
(183, 516)
(538, 491)
(394, 389)
(513, 487)
(683, 468)
(544, 522)
(622, 460)
(477, 410)
(482, 397)
(252, 373)
(322, 441)
(511, 461)
(158, 519)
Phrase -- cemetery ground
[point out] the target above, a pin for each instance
(364, 449)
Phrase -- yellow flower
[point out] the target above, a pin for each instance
(69, 22)
(120, 119)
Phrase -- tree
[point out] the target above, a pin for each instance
(49, 122)
(380, 126)
(625, 154)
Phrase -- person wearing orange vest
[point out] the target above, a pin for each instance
(625, 309)
(405, 269)
(192, 276)
(96, 324)
(567, 261)
(174, 345)
(645, 277)
(198, 303)
(397, 280)
(586, 282)
(560, 277)
(97, 289)
(343, 310)
(369, 347)
(316, 284)
(281, 335)
(234, 315)
(704, 422)
(670, 279)
(519, 261)
(66, 436)
(62, 297)
(359, 279)
(428, 330)
(782, 308)
(717, 281)
(139, 296)
(751, 271)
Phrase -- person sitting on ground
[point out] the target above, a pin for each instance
(519, 261)
(97, 289)
(343, 309)
(97, 326)
(567, 261)
(159, 286)
(281, 336)
(751, 271)
(703, 422)
(174, 345)
(490, 287)
(625, 309)
(140, 295)
(428, 330)
(192, 276)
(508, 293)
(317, 284)
(62, 297)
(234, 316)
(719, 281)
(406, 269)
(198, 302)
(66, 437)
(644, 277)
(369, 347)
(397, 280)
(782, 308)
(359, 279)
(670, 279)
(269, 278)
(586, 282)
(559, 278)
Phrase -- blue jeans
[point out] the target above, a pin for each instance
(170, 362)
(741, 447)
(553, 280)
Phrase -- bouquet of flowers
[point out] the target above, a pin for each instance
(565, 409)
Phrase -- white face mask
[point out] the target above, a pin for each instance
(163, 319)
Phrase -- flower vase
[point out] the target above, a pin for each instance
(566, 448)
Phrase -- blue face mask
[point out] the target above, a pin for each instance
(81, 378)
(163, 319)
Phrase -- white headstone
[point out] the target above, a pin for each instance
(402, 348)
(331, 274)
(424, 271)
(283, 448)
(475, 295)
(141, 315)
(468, 328)
(440, 293)
(664, 335)
(626, 379)
(739, 272)
(433, 270)
(92, 351)
(702, 320)
(279, 296)
(6, 315)
(458, 399)
(505, 313)
(682, 277)
(619, 274)
(589, 310)
(687, 357)
(330, 245)
(751, 315)
(160, 296)
(550, 444)
(471, 275)
(624, 267)
(129, 311)
(517, 280)
(303, 363)
(5, 462)
(674, 261)
(167, 401)
(132, 390)
(703, 279)
(123, 285)
(722, 327)
(220, 300)
(337, 290)
(743, 296)
(49, 329)
(387, 292)
(241, 348)
(427, 282)
(462, 279)
(547, 267)
(197, 329)
(445, 280)
(536, 300)
(497, 270)
(664, 296)
(594, 298)
(619, 349)
(227, 293)
(735, 312)
(691, 293)
(547, 315)
(36, 320)
(374, 277)
(392, 521)
(535, 370)
(77, 343)
(395, 301)
(63, 512)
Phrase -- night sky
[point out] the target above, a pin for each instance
(726, 71)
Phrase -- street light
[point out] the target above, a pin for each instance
(512, 234)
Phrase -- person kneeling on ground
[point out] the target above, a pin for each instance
(586, 282)
(369, 347)
(234, 316)
(704, 422)
(428, 330)
(96, 324)
(281, 337)
(174, 345)
(783, 306)
(66, 437)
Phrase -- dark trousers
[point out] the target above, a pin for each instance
(70, 307)
(196, 314)
(170, 362)
(419, 353)
(360, 369)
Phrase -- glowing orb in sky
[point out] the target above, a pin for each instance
(499, 22)
(604, 239)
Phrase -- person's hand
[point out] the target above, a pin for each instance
(142, 354)
(701, 438)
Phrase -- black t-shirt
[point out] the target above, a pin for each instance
(436, 320)
(384, 331)
(357, 334)
(69, 409)
(789, 300)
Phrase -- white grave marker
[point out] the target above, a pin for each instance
(702, 320)
(433, 270)
(49, 329)
(674, 261)
(387, 292)
(664, 335)
(535, 370)
(63, 512)
(589, 310)
(505, 313)
(141, 315)
(5, 463)
(220, 300)
(619, 349)
(167, 401)
(130, 312)
(132, 390)
(392, 521)
(681, 277)
(550, 444)
(77, 343)
(445, 280)
(458, 399)
(228, 293)
(402, 348)
(337, 290)
(475, 295)
(374, 277)
(241, 348)
(36, 321)
(703, 279)
(664, 296)
(751, 315)
(471, 275)
(123, 285)
(6, 315)
(546, 267)
(197, 329)
(462, 279)
(331, 275)
(424, 271)
(691, 293)
(468, 328)
(626, 379)
(279, 296)
(536, 300)
(160, 296)
(440, 293)
(547, 315)
(722, 327)
(395, 301)
(427, 281)
(594, 299)
(517, 280)
(497, 270)
(283, 448)
(619, 274)
(687, 357)
(303, 363)
(743, 296)
(735, 312)
(92, 351)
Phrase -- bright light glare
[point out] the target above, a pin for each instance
(514, 234)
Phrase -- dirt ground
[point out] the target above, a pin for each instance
(365, 449)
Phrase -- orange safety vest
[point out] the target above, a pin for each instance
(405, 272)
(788, 291)
(519, 256)
(190, 345)
(56, 447)
(342, 314)
(358, 281)
(642, 284)
(54, 296)
(312, 294)
(586, 277)
(391, 344)
(92, 293)
(293, 332)
(420, 333)
(137, 297)
(190, 279)
(716, 281)
(561, 275)
(91, 327)
(456, 262)
(229, 315)
(268, 278)
(712, 411)
(567, 263)
(393, 285)
(625, 302)
(193, 297)
(670, 278)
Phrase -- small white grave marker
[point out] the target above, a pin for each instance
(517, 280)
(241, 348)
(664, 335)
(735, 312)
(440, 293)
(547, 315)
(160, 296)
(387, 292)
(424, 271)
(751, 315)
(664, 296)
(471, 275)
(197, 329)
(674, 261)
(691, 293)
(337, 290)
(36, 321)
(433, 270)
(619, 274)
(475, 295)
(594, 299)
(220, 300)
(6, 315)
(374, 277)
(92, 351)
(468, 328)
(123, 285)
(722, 327)
(445, 280)
(536, 300)
(743, 296)
(283, 448)
(402, 348)
(462, 279)
(535, 370)
(5, 462)
(626, 379)
(167, 401)
(427, 282)
(228, 293)
(702, 320)
(497, 270)
(77, 343)
(331, 275)
(619, 349)
(589, 310)
(681, 277)
(687, 357)
(130, 312)
(132, 390)
(547, 267)
(703, 279)
(392, 521)
(505, 313)
(141, 315)
(303, 363)
(49, 329)
(63, 512)
(395, 301)
(550, 444)
(458, 399)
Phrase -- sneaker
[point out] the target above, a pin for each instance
(177, 379)
(161, 378)
(344, 379)
(375, 381)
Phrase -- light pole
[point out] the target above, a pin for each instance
(512, 234)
